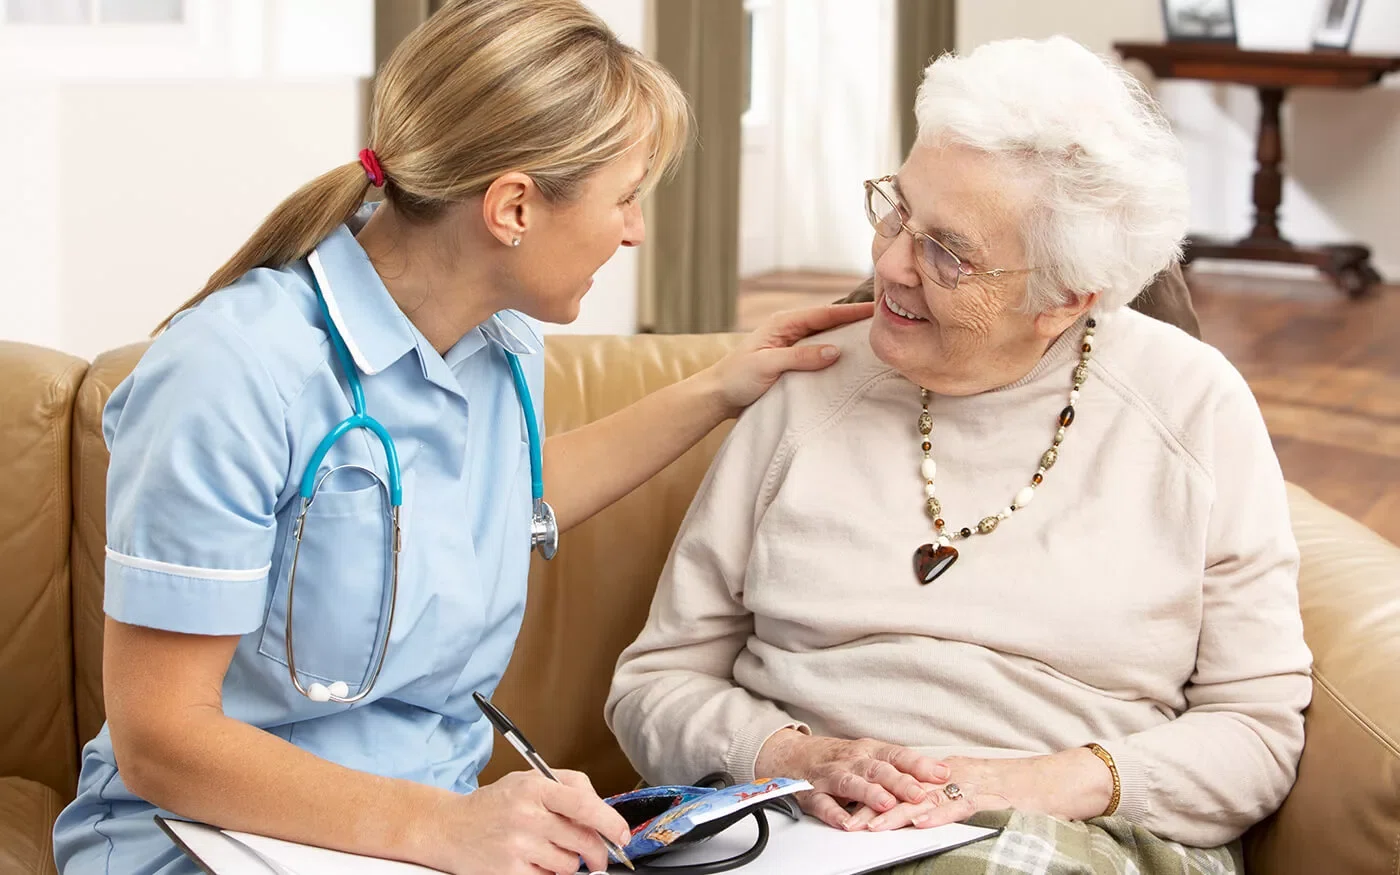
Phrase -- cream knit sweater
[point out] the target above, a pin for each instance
(1146, 599)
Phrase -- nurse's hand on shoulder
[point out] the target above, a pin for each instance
(752, 369)
(525, 824)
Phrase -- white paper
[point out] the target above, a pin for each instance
(811, 847)
(807, 846)
(237, 853)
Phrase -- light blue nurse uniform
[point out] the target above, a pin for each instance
(209, 438)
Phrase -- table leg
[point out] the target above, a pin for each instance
(1268, 177)
(1347, 265)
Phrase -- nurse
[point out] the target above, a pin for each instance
(513, 140)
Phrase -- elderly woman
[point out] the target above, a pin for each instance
(1023, 549)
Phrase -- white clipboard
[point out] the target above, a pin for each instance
(806, 846)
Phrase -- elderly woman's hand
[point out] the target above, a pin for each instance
(1072, 784)
(744, 375)
(875, 774)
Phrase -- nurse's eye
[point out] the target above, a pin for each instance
(632, 198)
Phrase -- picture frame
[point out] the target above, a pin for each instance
(1336, 25)
(1199, 21)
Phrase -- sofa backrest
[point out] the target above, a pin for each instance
(89, 547)
(37, 738)
(590, 602)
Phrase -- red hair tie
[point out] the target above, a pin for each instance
(370, 162)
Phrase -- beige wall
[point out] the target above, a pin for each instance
(123, 197)
(1096, 23)
(160, 183)
(1342, 149)
(29, 219)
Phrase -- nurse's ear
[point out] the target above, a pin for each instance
(508, 205)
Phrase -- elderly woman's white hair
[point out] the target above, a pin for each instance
(1111, 206)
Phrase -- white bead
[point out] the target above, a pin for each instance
(930, 490)
(1005, 514)
(1073, 395)
(928, 468)
(318, 693)
(1060, 433)
(1023, 497)
(340, 689)
(945, 541)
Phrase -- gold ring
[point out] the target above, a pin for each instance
(953, 792)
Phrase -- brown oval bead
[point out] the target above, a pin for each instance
(938, 524)
(987, 525)
(927, 446)
(1037, 479)
(1086, 348)
(1047, 461)
(1067, 415)
(966, 533)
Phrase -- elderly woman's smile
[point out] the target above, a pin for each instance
(904, 316)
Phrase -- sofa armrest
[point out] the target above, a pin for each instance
(27, 813)
(1343, 814)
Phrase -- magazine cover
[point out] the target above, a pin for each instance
(663, 817)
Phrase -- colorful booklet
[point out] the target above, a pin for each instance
(669, 817)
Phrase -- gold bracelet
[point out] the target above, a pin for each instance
(1112, 770)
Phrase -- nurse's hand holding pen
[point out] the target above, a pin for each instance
(524, 824)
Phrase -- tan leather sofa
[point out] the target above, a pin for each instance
(1342, 817)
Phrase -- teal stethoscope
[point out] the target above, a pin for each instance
(544, 530)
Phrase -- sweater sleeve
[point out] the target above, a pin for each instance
(1230, 758)
(674, 705)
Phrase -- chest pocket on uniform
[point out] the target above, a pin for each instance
(342, 585)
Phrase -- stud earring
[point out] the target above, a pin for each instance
(515, 241)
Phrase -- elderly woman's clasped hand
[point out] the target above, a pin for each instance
(1072, 785)
(880, 776)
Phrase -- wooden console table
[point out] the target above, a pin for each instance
(1273, 73)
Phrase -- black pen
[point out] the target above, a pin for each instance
(512, 734)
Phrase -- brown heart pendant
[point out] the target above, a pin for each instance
(931, 560)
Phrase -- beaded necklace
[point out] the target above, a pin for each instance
(933, 559)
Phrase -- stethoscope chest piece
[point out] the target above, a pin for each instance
(544, 529)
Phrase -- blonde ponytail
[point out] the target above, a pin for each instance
(482, 88)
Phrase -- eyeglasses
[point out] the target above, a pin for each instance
(936, 261)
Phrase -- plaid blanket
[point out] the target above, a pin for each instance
(1036, 844)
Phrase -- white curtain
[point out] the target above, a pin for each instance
(836, 126)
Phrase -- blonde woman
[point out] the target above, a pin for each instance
(359, 378)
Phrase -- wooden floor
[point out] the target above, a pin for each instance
(1326, 371)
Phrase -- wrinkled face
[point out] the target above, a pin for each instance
(567, 242)
(972, 338)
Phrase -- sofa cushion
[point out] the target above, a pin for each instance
(1344, 812)
(37, 739)
(27, 813)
